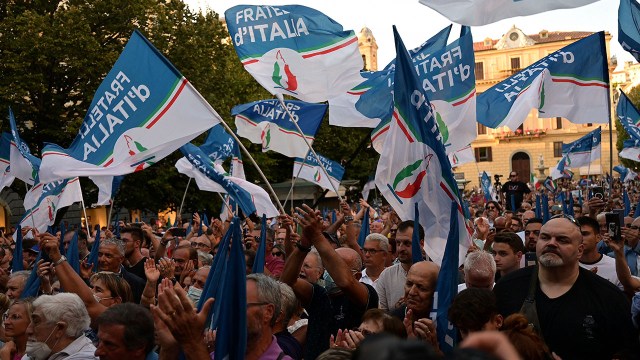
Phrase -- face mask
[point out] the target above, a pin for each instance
(39, 350)
(194, 294)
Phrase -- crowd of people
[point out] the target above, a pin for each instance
(529, 288)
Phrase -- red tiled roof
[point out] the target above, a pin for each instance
(552, 36)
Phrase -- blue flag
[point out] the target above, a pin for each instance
(204, 164)
(545, 209)
(32, 285)
(628, 29)
(136, 118)
(16, 263)
(416, 249)
(310, 169)
(6, 179)
(24, 166)
(487, 188)
(258, 263)
(636, 213)
(578, 153)
(450, 86)
(414, 167)
(571, 204)
(266, 122)
(563, 202)
(538, 206)
(220, 146)
(334, 217)
(627, 203)
(231, 341)
(364, 229)
(447, 287)
(572, 82)
(73, 256)
(93, 255)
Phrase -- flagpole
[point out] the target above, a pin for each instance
(279, 96)
(86, 219)
(293, 183)
(184, 197)
(33, 222)
(110, 212)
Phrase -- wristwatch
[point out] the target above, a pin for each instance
(61, 260)
(348, 218)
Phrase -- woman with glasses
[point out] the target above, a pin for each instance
(278, 251)
(16, 321)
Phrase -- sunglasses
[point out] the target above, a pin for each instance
(491, 207)
(277, 253)
(568, 217)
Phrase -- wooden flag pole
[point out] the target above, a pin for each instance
(184, 197)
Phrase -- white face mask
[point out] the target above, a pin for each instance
(39, 350)
(194, 294)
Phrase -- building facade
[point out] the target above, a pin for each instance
(500, 151)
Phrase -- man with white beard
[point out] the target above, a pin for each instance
(559, 298)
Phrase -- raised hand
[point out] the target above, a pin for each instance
(151, 271)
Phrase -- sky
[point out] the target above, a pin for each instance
(416, 22)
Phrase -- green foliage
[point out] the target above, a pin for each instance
(54, 55)
(634, 97)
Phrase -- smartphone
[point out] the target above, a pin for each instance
(179, 232)
(136, 224)
(614, 223)
(598, 192)
(530, 259)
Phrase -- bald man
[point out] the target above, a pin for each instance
(418, 290)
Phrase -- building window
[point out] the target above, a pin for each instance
(558, 123)
(482, 130)
(557, 149)
(515, 63)
(479, 71)
(458, 176)
(483, 154)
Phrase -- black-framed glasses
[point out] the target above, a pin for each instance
(491, 207)
(277, 253)
(568, 217)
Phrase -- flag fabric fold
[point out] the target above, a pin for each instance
(24, 166)
(16, 262)
(579, 153)
(266, 122)
(364, 229)
(48, 199)
(310, 169)
(136, 118)
(629, 116)
(295, 50)
(628, 27)
(220, 146)
(366, 189)
(450, 86)
(483, 12)
(414, 167)
(462, 156)
(73, 255)
(6, 179)
(490, 193)
(572, 82)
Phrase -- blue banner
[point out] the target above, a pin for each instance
(629, 116)
(583, 64)
(309, 116)
(334, 169)
(584, 144)
(628, 29)
(486, 186)
(204, 164)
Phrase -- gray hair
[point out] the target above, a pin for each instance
(24, 274)
(381, 239)
(289, 303)
(65, 307)
(481, 263)
(119, 244)
(268, 291)
(315, 252)
(205, 258)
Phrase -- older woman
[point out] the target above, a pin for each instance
(16, 322)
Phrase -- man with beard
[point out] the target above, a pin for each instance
(559, 298)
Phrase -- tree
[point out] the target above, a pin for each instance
(634, 97)
(54, 55)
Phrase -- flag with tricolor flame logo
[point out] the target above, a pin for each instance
(414, 167)
(49, 198)
(295, 50)
(6, 179)
(447, 76)
(24, 165)
(212, 177)
(578, 153)
(572, 82)
(346, 110)
(143, 110)
(220, 146)
(462, 156)
(266, 122)
(631, 150)
(308, 168)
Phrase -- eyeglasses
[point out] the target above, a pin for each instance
(371, 251)
(277, 253)
(491, 207)
(568, 217)
(13, 317)
(634, 227)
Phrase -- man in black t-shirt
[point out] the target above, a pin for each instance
(516, 188)
(579, 314)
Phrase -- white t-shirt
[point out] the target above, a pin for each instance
(606, 269)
